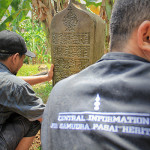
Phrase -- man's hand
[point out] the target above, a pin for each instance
(50, 73)
(32, 80)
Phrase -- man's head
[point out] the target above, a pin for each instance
(13, 50)
(129, 16)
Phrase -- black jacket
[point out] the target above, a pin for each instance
(106, 106)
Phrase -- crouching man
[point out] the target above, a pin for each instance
(20, 109)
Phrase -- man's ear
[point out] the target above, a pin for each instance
(144, 36)
(15, 58)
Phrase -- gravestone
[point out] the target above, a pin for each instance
(77, 41)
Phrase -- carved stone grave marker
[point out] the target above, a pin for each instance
(77, 41)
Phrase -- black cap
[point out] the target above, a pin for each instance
(11, 43)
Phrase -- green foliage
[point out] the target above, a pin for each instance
(5, 24)
(35, 39)
(4, 4)
(39, 148)
(93, 2)
(109, 5)
(25, 7)
(15, 4)
(14, 12)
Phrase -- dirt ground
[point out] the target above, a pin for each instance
(36, 143)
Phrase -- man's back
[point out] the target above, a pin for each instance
(105, 106)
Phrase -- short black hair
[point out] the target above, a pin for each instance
(126, 16)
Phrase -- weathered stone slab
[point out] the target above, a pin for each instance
(77, 41)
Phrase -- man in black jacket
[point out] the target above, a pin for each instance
(107, 105)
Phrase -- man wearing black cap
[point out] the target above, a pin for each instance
(20, 110)
(107, 105)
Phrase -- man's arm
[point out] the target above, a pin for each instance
(32, 80)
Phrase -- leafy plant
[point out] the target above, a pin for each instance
(13, 12)
(35, 39)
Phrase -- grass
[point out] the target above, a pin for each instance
(29, 70)
(42, 90)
